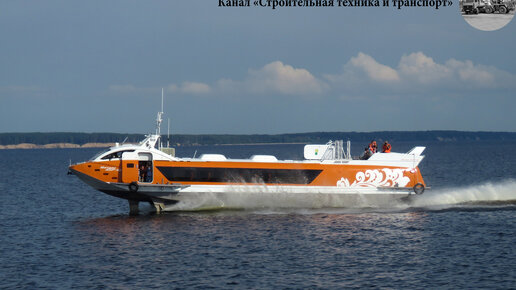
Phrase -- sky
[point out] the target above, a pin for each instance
(99, 66)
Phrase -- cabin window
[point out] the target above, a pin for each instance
(238, 175)
(130, 165)
(115, 155)
(100, 154)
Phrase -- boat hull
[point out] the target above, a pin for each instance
(142, 173)
(177, 197)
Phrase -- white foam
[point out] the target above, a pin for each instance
(504, 191)
(265, 198)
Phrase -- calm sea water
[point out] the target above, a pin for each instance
(56, 232)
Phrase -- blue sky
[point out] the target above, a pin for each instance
(99, 66)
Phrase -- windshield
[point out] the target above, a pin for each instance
(116, 154)
(99, 154)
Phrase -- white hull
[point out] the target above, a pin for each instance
(255, 197)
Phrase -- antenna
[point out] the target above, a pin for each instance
(158, 122)
(159, 119)
(168, 134)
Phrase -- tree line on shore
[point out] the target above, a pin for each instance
(40, 138)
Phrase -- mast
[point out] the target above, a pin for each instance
(159, 119)
(168, 134)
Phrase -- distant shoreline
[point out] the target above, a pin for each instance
(55, 145)
(38, 140)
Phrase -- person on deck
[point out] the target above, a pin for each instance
(373, 147)
(143, 173)
(367, 153)
(386, 147)
(148, 177)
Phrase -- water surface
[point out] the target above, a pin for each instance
(56, 232)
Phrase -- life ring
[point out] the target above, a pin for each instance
(133, 186)
(419, 188)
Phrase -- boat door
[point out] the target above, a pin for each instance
(128, 167)
(145, 168)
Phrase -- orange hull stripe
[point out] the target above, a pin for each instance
(126, 171)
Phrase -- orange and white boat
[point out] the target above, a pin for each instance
(145, 172)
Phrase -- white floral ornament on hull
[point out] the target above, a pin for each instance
(375, 178)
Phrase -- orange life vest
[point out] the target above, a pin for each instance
(386, 148)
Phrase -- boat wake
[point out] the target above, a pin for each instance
(262, 198)
(487, 194)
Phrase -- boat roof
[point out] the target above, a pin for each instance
(410, 159)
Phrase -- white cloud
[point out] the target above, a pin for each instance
(192, 88)
(416, 72)
(453, 73)
(422, 69)
(273, 78)
(376, 71)
(172, 88)
(476, 74)
(280, 78)
(195, 88)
